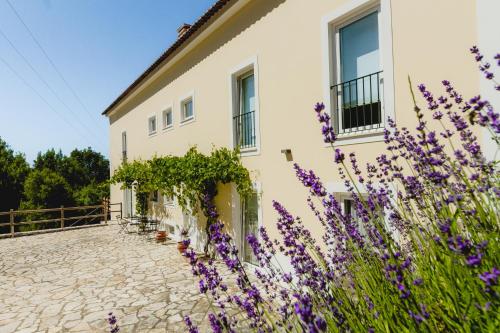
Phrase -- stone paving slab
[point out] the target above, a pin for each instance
(69, 281)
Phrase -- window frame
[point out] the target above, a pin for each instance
(330, 23)
(150, 132)
(182, 103)
(238, 215)
(235, 75)
(337, 75)
(168, 109)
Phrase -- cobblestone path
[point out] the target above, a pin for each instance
(69, 281)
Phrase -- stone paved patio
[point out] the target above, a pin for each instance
(68, 282)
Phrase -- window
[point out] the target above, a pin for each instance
(154, 196)
(124, 146)
(244, 119)
(350, 209)
(152, 125)
(168, 200)
(167, 118)
(358, 69)
(250, 223)
(187, 109)
(357, 94)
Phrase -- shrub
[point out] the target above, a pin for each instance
(421, 254)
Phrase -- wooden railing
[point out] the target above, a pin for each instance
(65, 219)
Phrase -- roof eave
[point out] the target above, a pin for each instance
(213, 12)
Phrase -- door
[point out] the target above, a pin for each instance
(127, 202)
(250, 216)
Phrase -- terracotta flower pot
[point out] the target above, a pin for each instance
(181, 246)
(161, 236)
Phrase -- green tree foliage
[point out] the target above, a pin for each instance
(13, 171)
(46, 188)
(86, 171)
(81, 178)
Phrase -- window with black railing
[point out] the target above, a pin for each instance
(357, 103)
(244, 126)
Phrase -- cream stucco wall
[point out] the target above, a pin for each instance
(430, 41)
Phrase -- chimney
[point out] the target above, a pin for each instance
(183, 29)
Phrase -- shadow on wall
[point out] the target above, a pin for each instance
(255, 11)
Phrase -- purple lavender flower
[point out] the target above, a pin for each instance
(113, 323)
(490, 278)
(190, 326)
(339, 156)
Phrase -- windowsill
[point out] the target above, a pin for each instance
(249, 151)
(187, 121)
(168, 128)
(364, 136)
(152, 134)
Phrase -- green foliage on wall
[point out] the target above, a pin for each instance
(192, 179)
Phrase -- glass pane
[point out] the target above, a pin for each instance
(250, 225)
(124, 141)
(188, 109)
(359, 56)
(169, 118)
(152, 124)
(247, 94)
(246, 119)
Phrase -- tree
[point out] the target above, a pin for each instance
(13, 171)
(46, 188)
(50, 160)
(85, 167)
(86, 171)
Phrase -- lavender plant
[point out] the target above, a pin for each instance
(421, 255)
(113, 323)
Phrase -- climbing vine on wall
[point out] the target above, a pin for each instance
(192, 179)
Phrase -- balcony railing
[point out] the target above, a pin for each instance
(244, 127)
(357, 103)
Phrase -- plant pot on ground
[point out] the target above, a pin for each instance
(183, 245)
(161, 236)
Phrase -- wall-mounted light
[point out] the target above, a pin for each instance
(288, 154)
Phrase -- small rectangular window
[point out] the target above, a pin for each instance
(124, 146)
(167, 118)
(152, 125)
(187, 110)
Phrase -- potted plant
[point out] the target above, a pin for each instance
(184, 242)
(163, 214)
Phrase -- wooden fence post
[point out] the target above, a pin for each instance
(12, 229)
(105, 209)
(62, 217)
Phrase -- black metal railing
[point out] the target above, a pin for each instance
(357, 103)
(244, 127)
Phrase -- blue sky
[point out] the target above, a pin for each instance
(98, 46)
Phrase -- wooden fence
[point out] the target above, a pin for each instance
(65, 219)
